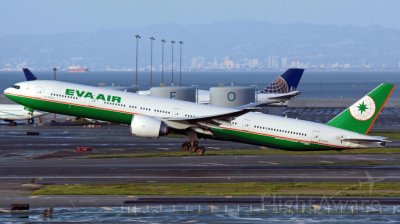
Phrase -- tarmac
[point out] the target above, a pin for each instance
(50, 158)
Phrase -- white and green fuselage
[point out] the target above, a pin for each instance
(344, 131)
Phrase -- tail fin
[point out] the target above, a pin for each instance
(360, 116)
(29, 75)
(287, 82)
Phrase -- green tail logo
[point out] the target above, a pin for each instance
(360, 116)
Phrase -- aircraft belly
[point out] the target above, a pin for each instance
(263, 140)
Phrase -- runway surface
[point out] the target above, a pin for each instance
(115, 137)
(198, 169)
(49, 158)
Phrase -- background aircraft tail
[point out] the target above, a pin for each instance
(29, 75)
(360, 116)
(287, 82)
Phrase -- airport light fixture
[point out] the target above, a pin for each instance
(55, 73)
(180, 62)
(172, 58)
(162, 60)
(137, 54)
(151, 60)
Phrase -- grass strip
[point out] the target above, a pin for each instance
(380, 189)
(390, 135)
(238, 152)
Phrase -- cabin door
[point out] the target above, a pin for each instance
(315, 136)
(175, 112)
(246, 124)
(39, 91)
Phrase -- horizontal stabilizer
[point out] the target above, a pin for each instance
(285, 96)
(373, 139)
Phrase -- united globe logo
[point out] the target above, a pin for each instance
(363, 109)
(278, 86)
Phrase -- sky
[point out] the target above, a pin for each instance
(59, 16)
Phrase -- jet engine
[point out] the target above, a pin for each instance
(145, 126)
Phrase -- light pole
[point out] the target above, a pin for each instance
(162, 60)
(172, 58)
(180, 62)
(55, 73)
(55, 78)
(137, 53)
(151, 61)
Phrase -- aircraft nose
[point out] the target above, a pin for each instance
(8, 90)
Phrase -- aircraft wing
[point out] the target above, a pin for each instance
(211, 117)
(240, 111)
(373, 139)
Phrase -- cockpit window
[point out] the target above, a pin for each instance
(16, 86)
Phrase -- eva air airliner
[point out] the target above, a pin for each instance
(154, 117)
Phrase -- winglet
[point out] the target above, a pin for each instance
(28, 74)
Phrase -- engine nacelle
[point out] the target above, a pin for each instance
(145, 126)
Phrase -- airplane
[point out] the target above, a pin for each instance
(14, 112)
(154, 117)
(30, 77)
(282, 88)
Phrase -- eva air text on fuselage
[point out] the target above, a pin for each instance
(87, 94)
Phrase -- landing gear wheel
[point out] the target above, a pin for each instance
(200, 151)
(186, 146)
(31, 121)
(194, 145)
(192, 148)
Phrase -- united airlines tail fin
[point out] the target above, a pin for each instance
(360, 116)
(285, 83)
(29, 75)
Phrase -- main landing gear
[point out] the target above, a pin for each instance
(193, 146)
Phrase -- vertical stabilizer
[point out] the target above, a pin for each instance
(360, 116)
(29, 75)
(285, 83)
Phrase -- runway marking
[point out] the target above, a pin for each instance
(323, 161)
(116, 149)
(214, 164)
(267, 162)
(107, 209)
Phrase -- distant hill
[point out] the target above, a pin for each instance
(239, 40)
